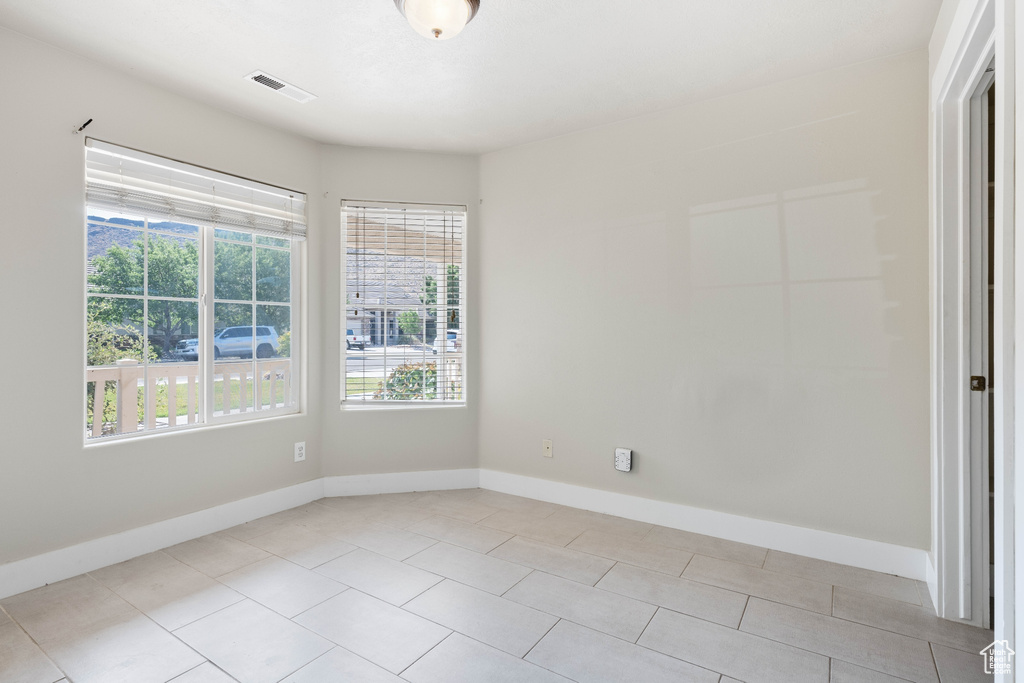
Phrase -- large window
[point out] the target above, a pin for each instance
(191, 311)
(405, 316)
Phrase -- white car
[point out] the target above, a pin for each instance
(357, 340)
(451, 344)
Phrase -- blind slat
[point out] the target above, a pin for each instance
(127, 181)
(403, 289)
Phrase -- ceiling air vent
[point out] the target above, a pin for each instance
(286, 89)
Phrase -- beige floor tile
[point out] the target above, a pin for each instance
(263, 525)
(397, 544)
(910, 620)
(21, 660)
(925, 595)
(708, 545)
(462, 660)
(680, 595)
(504, 501)
(252, 643)
(4, 619)
(740, 655)
(587, 656)
(609, 613)
(553, 559)
(204, 673)
(379, 576)
(325, 519)
(473, 569)
(94, 635)
(286, 588)
(957, 666)
(844, 672)
(500, 623)
(865, 646)
(638, 553)
(400, 517)
(742, 578)
(864, 580)
(216, 554)
(537, 528)
(344, 667)
(386, 635)
(461, 507)
(469, 536)
(302, 546)
(171, 593)
(609, 524)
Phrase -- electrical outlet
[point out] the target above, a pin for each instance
(300, 451)
(623, 459)
(548, 451)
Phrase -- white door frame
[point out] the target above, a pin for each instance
(958, 489)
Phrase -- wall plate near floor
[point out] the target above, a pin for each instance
(623, 459)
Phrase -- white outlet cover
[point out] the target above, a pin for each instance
(623, 459)
(548, 449)
(300, 451)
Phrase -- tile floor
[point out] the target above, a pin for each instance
(481, 587)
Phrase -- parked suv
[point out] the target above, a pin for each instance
(234, 341)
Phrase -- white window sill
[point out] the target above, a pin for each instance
(357, 406)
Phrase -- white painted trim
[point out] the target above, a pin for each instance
(401, 482)
(33, 572)
(823, 545)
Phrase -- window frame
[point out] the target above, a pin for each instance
(205, 385)
(344, 403)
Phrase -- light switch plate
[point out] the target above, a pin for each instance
(623, 459)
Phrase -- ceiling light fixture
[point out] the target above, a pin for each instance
(438, 19)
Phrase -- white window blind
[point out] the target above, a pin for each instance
(128, 181)
(404, 303)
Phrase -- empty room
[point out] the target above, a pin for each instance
(502, 341)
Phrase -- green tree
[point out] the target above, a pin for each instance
(173, 272)
(409, 322)
(429, 297)
(454, 282)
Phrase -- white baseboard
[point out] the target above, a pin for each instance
(822, 545)
(401, 482)
(33, 572)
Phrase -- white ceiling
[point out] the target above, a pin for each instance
(523, 70)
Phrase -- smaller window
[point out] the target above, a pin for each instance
(405, 309)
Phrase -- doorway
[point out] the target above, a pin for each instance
(981, 334)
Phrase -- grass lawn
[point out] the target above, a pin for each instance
(361, 385)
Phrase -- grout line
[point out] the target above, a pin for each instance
(743, 614)
(413, 662)
(692, 555)
(615, 563)
(558, 620)
(644, 629)
(530, 573)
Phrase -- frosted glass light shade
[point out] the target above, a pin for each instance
(438, 19)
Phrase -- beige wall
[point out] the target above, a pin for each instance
(53, 491)
(364, 441)
(737, 290)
